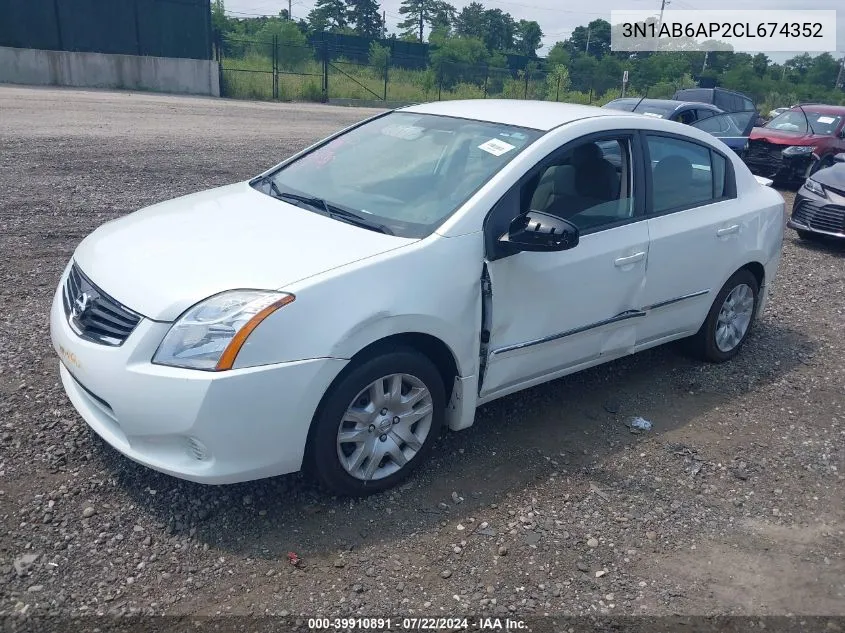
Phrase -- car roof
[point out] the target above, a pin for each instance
(537, 115)
(664, 102)
(820, 108)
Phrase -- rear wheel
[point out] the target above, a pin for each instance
(378, 423)
(729, 320)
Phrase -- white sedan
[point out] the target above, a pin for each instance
(336, 311)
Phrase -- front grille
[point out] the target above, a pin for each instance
(93, 314)
(763, 151)
(820, 217)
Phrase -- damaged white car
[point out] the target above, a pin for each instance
(336, 311)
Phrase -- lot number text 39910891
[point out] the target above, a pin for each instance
(415, 624)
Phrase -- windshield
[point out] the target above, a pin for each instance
(794, 121)
(404, 172)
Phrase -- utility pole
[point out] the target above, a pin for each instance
(422, 18)
(587, 47)
(383, 24)
(663, 4)
(840, 78)
(290, 14)
(704, 65)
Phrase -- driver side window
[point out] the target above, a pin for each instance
(589, 184)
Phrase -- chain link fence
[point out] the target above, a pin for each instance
(272, 70)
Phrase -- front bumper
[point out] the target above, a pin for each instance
(785, 168)
(207, 427)
(817, 216)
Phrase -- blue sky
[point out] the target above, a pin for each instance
(557, 18)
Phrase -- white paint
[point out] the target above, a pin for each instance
(353, 287)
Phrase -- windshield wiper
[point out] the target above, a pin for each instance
(330, 210)
(274, 188)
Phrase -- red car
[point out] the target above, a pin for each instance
(797, 143)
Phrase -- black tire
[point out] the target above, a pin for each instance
(703, 344)
(322, 459)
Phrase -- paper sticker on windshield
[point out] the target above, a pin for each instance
(653, 114)
(496, 147)
(405, 132)
(826, 119)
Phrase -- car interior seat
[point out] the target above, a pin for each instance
(672, 179)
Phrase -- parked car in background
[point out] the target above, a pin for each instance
(819, 207)
(725, 100)
(797, 143)
(252, 330)
(680, 111)
(728, 100)
(732, 128)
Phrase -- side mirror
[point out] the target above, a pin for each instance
(538, 231)
(839, 158)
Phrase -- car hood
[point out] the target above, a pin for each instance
(163, 259)
(832, 177)
(781, 137)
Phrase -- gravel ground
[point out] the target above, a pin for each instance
(733, 504)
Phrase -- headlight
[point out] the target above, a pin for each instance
(815, 187)
(798, 150)
(209, 335)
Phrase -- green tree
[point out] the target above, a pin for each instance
(379, 57)
(581, 72)
(823, 71)
(760, 63)
(558, 55)
(528, 38)
(593, 39)
(557, 81)
(328, 15)
(499, 30)
(416, 14)
(458, 59)
(470, 22)
(219, 21)
(442, 16)
(364, 17)
(293, 48)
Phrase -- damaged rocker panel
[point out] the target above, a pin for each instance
(623, 316)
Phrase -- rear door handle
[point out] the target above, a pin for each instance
(728, 230)
(631, 259)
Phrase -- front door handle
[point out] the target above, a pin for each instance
(728, 230)
(631, 259)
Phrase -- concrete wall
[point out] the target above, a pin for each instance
(98, 70)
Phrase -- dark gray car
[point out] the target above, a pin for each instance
(687, 112)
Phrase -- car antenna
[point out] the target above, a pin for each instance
(806, 118)
(640, 101)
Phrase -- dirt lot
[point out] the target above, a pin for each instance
(733, 504)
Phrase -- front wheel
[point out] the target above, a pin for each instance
(729, 320)
(377, 424)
